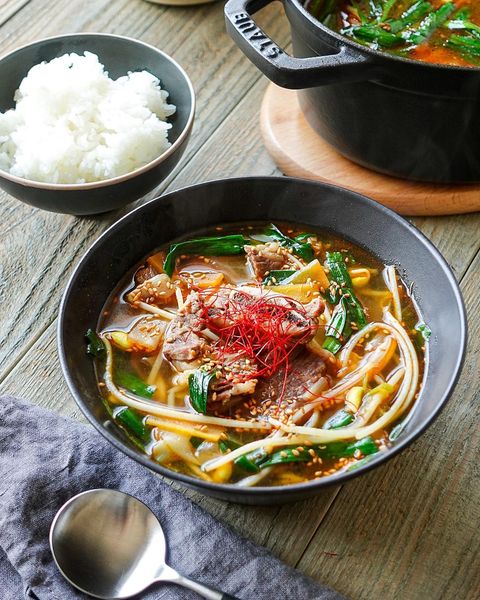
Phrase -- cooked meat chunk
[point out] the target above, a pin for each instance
(234, 381)
(226, 304)
(315, 308)
(182, 343)
(144, 273)
(183, 338)
(264, 258)
(295, 323)
(306, 377)
(156, 290)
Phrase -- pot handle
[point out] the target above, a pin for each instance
(283, 69)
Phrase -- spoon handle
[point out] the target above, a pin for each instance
(207, 592)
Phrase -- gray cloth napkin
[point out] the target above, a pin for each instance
(46, 459)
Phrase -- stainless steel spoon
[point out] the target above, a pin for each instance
(110, 545)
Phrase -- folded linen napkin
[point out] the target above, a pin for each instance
(46, 459)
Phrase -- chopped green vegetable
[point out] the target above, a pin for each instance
(338, 329)
(301, 249)
(226, 245)
(424, 330)
(396, 432)
(360, 463)
(387, 7)
(412, 15)
(302, 237)
(465, 45)
(375, 33)
(277, 276)
(366, 446)
(134, 384)
(430, 24)
(251, 462)
(321, 8)
(198, 384)
(95, 346)
(340, 275)
(133, 423)
(461, 21)
(339, 419)
(228, 444)
(196, 441)
(254, 461)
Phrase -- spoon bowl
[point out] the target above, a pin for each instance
(110, 545)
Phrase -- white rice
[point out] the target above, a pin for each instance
(73, 124)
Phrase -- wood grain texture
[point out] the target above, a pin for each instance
(8, 8)
(300, 152)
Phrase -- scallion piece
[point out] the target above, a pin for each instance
(375, 33)
(412, 15)
(133, 423)
(424, 330)
(397, 431)
(198, 385)
(366, 446)
(340, 275)
(338, 329)
(465, 44)
(133, 384)
(274, 277)
(252, 462)
(301, 249)
(226, 245)
(430, 24)
(339, 419)
(95, 346)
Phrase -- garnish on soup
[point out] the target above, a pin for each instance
(260, 355)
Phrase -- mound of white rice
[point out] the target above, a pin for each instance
(73, 124)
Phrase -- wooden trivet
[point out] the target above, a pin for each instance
(300, 152)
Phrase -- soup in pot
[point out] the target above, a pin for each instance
(435, 31)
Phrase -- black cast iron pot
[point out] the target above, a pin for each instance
(317, 205)
(398, 116)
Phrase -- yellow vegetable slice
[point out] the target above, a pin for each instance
(208, 280)
(360, 277)
(353, 398)
(303, 292)
(223, 473)
(120, 339)
(156, 261)
(313, 271)
(212, 434)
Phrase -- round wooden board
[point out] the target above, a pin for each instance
(300, 152)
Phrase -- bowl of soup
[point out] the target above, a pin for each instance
(393, 86)
(261, 355)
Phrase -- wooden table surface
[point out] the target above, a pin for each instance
(408, 530)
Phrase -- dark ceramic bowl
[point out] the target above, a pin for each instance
(119, 55)
(390, 237)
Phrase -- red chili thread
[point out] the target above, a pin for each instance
(264, 328)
